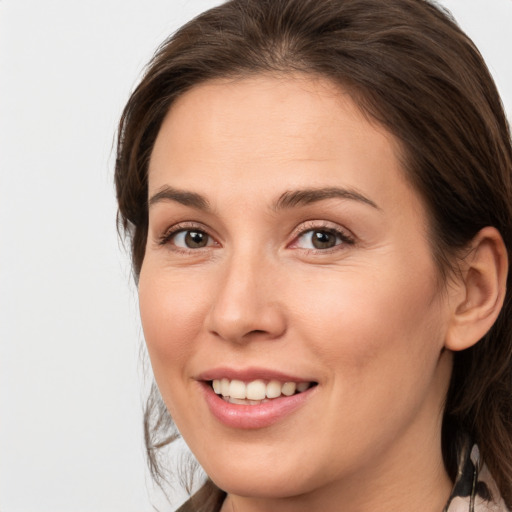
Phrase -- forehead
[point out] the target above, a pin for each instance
(268, 132)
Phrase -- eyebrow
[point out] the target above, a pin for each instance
(295, 198)
(287, 200)
(183, 197)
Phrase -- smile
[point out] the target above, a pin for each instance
(257, 391)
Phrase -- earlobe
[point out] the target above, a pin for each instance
(481, 286)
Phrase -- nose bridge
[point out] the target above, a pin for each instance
(246, 302)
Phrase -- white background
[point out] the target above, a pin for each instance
(70, 377)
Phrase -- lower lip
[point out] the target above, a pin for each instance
(253, 416)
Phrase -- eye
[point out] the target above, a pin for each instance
(191, 239)
(187, 238)
(321, 239)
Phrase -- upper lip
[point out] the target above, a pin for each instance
(250, 374)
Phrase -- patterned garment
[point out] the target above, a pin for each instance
(475, 490)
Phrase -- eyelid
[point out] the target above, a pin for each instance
(311, 225)
(321, 225)
(166, 237)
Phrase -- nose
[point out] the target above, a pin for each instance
(247, 303)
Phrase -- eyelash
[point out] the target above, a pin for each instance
(310, 226)
(166, 238)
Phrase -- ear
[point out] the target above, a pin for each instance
(480, 290)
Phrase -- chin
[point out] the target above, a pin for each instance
(263, 486)
(264, 475)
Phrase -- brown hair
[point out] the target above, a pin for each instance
(408, 66)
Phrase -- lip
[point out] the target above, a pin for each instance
(250, 374)
(252, 416)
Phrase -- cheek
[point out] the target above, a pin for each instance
(357, 321)
(172, 313)
(379, 340)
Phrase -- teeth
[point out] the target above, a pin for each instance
(256, 391)
(243, 402)
(236, 401)
(273, 389)
(237, 389)
(224, 387)
(289, 388)
(302, 386)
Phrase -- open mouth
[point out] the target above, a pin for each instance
(257, 391)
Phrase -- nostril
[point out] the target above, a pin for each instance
(256, 331)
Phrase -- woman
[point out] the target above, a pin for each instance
(318, 196)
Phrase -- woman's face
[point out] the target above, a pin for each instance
(285, 245)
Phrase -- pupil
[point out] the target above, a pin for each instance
(323, 240)
(195, 239)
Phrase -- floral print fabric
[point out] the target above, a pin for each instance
(475, 490)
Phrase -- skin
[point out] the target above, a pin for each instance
(366, 319)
